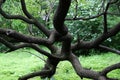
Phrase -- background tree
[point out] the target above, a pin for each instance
(57, 29)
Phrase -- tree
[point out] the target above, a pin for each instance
(60, 34)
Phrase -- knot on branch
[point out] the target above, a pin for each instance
(8, 32)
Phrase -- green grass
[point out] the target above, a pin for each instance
(15, 64)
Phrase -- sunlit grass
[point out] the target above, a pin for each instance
(18, 63)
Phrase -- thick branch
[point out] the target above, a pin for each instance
(11, 46)
(66, 45)
(60, 15)
(29, 39)
(33, 46)
(31, 75)
(96, 42)
(105, 22)
(23, 38)
(48, 70)
(110, 68)
(81, 71)
(15, 47)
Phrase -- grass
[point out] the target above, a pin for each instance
(15, 64)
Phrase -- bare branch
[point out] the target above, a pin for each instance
(82, 18)
(91, 17)
(109, 49)
(35, 55)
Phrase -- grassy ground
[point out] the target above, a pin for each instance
(15, 64)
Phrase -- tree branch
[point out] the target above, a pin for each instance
(31, 19)
(83, 18)
(110, 68)
(20, 17)
(31, 75)
(60, 15)
(81, 71)
(105, 22)
(11, 46)
(109, 49)
(96, 42)
(23, 38)
(98, 15)
(15, 47)
(48, 70)
(40, 26)
(62, 35)
(25, 10)
(105, 14)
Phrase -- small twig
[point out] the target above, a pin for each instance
(35, 55)
(87, 18)
(76, 8)
(109, 49)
